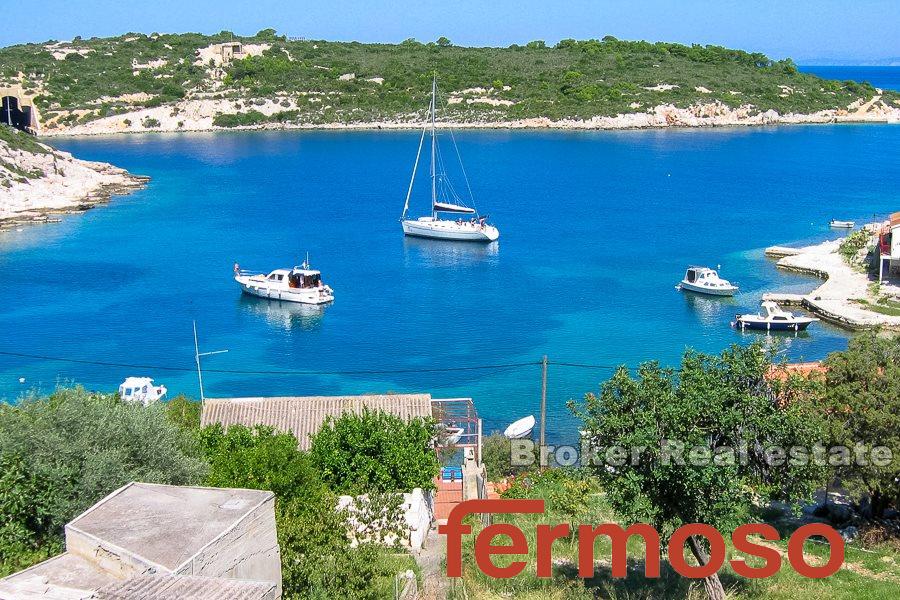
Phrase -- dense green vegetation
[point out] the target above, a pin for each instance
(719, 404)
(19, 140)
(375, 452)
(862, 401)
(317, 558)
(574, 496)
(711, 403)
(61, 454)
(577, 79)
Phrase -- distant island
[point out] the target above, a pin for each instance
(192, 82)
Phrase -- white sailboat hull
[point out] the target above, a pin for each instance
(440, 229)
(257, 286)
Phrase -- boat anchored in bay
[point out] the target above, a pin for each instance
(706, 281)
(444, 198)
(299, 284)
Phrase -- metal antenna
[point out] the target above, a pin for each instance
(197, 355)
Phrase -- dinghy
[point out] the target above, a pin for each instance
(469, 226)
(520, 429)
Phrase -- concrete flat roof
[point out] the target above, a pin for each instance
(167, 525)
(63, 577)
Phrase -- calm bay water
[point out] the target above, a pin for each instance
(596, 230)
(884, 77)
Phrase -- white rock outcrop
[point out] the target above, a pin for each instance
(35, 183)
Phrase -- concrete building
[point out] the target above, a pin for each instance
(175, 587)
(889, 248)
(215, 539)
(17, 109)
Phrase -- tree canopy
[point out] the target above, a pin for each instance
(375, 452)
(62, 454)
(706, 437)
(862, 404)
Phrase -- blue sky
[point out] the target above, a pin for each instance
(859, 30)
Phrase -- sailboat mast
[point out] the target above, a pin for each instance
(433, 146)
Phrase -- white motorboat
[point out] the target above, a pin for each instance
(706, 281)
(300, 284)
(520, 429)
(842, 224)
(141, 390)
(469, 226)
(773, 318)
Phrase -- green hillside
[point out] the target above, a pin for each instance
(573, 79)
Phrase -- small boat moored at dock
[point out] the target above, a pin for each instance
(773, 318)
(706, 281)
(520, 429)
(837, 224)
(300, 284)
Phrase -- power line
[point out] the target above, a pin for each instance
(273, 372)
(587, 366)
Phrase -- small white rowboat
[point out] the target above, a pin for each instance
(520, 429)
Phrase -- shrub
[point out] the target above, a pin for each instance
(496, 455)
(257, 458)
(566, 490)
(63, 453)
(242, 119)
(316, 555)
(852, 244)
(375, 452)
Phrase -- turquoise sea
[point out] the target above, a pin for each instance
(596, 230)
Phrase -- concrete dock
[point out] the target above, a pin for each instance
(837, 299)
(782, 251)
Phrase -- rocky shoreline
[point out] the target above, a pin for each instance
(40, 182)
(197, 115)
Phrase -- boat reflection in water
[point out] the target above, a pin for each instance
(285, 315)
(448, 253)
(711, 310)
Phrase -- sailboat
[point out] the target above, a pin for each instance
(469, 226)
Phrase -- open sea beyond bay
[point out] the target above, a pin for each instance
(596, 231)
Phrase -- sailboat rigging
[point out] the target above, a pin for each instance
(444, 197)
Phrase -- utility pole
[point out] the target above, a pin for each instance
(197, 355)
(543, 408)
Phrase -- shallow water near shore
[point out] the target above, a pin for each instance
(596, 230)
